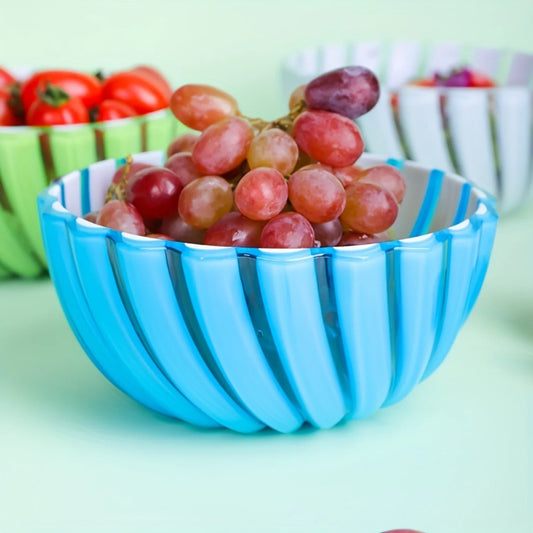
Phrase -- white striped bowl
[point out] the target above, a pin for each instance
(482, 134)
(251, 338)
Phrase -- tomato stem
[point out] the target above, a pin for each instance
(53, 95)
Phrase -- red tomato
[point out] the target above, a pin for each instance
(114, 109)
(76, 84)
(7, 115)
(5, 78)
(55, 107)
(137, 90)
(424, 82)
(477, 79)
(154, 75)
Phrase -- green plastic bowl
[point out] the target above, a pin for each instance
(31, 157)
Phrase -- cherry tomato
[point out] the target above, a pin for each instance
(8, 117)
(5, 78)
(114, 109)
(424, 82)
(477, 79)
(154, 75)
(76, 84)
(137, 90)
(55, 107)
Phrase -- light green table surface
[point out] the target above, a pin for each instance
(76, 455)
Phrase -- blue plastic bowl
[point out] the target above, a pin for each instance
(251, 338)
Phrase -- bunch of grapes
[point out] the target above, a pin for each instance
(289, 183)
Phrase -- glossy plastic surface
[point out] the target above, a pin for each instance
(482, 134)
(31, 157)
(252, 338)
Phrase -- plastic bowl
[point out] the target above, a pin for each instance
(249, 338)
(482, 134)
(30, 157)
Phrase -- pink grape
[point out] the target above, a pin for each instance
(347, 175)
(369, 208)
(183, 166)
(317, 194)
(184, 143)
(134, 167)
(350, 91)
(387, 177)
(205, 200)
(234, 229)
(121, 216)
(273, 148)
(304, 160)
(162, 236)
(328, 137)
(200, 106)
(328, 233)
(176, 228)
(297, 96)
(353, 237)
(261, 193)
(288, 230)
(222, 146)
(154, 192)
(92, 216)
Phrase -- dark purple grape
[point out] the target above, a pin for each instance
(349, 91)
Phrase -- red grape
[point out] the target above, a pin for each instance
(273, 148)
(288, 230)
(121, 216)
(261, 193)
(183, 166)
(183, 143)
(328, 233)
(317, 194)
(200, 106)
(134, 167)
(176, 228)
(353, 237)
(387, 177)
(154, 192)
(369, 208)
(328, 137)
(222, 146)
(349, 91)
(234, 229)
(204, 201)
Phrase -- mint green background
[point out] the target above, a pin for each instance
(76, 455)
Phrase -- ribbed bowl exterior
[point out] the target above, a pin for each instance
(252, 338)
(30, 157)
(484, 135)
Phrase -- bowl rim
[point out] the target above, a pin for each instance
(49, 204)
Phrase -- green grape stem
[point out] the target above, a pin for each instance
(117, 191)
(284, 123)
